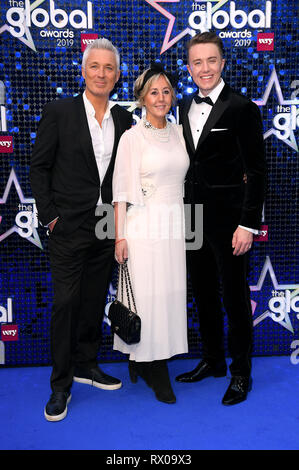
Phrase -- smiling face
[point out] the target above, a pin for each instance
(158, 101)
(100, 73)
(205, 65)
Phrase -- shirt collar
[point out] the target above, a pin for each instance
(90, 109)
(216, 91)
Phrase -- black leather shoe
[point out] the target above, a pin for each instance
(201, 371)
(97, 378)
(237, 391)
(56, 408)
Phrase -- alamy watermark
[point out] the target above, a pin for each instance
(158, 222)
(295, 354)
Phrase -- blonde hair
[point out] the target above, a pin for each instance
(140, 90)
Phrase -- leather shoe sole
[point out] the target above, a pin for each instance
(101, 385)
(59, 417)
(96, 378)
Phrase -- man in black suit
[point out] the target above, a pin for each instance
(71, 174)
(224, 139)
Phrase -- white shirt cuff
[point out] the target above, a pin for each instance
(252, 230)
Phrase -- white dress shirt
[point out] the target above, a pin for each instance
(102, 137)
(198, 115)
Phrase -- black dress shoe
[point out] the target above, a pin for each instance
(201, 371)
(237, 391)
(56, 408)
(97, 378)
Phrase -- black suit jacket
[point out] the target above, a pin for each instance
(221, 158)
(63, 173)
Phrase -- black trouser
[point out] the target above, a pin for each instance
(215, 272)
(81, 268)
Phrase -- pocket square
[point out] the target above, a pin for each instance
(216, 130)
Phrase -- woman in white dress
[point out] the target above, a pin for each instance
(150, 169)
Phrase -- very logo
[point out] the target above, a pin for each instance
(6, 144)
(263, 234)
(9, 333)
(265, 41)
(87, 39)
(20, 18)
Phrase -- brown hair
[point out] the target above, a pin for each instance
(204, 38)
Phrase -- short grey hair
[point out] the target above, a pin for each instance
(101, 43)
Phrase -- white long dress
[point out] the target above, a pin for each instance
(149, 175)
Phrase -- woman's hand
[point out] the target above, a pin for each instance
(121, 250)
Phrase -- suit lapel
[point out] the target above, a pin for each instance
(218, 109)
(184, 119)
(85, 139)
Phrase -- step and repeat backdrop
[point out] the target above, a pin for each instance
(41, 48)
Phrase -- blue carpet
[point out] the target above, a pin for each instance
(131, 418)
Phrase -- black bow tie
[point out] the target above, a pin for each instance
(198, 99)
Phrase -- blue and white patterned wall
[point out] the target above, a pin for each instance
(41, 50)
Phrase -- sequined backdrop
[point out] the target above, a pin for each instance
(41, 50)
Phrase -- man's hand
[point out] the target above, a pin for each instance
(242, 241)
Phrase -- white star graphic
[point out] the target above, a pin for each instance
(34, 238)
(273, 81)
(26, 38)
(167, 43)
(268, 268)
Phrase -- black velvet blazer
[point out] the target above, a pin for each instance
(231, 145)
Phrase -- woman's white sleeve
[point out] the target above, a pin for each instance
(126, 177)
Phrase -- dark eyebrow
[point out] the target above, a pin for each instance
(199, 58)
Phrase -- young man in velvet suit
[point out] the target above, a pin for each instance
(224, 139)
(71, 174)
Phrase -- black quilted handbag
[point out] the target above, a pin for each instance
(124, 322)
